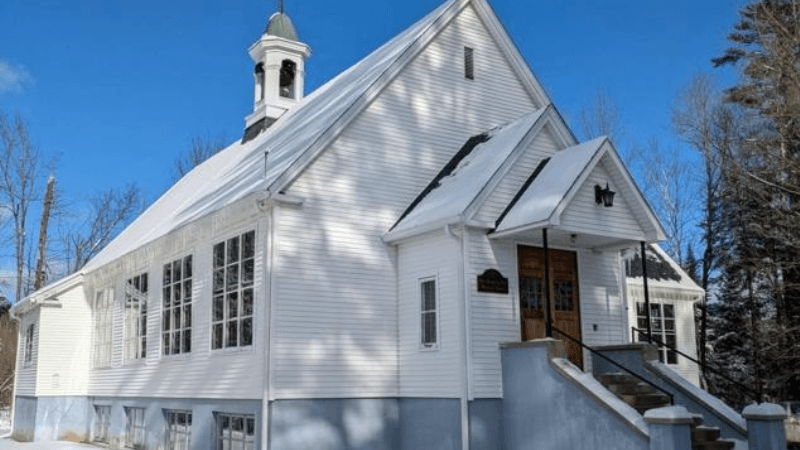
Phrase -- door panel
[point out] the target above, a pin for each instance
(564, 304)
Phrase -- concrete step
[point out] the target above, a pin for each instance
(719, 444)
(617, 378)
(705, 434)
(632, 389)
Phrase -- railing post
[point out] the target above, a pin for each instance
(548, 327)
(646, 294)
(765, 426)
(670, 428)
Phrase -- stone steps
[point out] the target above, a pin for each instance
(643, 396)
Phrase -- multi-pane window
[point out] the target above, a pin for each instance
(134, 430)
(564, 295)
(236, 432)
(232, 304)
(103, 323)
(176, 319)
(136, 317)
(428, 313)
(102, 421)
(662, 325)
(179, 427)
(29, 345)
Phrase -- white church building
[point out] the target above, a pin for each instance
(346, 275)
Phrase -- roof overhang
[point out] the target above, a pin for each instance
(46, 296)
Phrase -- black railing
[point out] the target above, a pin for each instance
(595, 352)
(642, 334)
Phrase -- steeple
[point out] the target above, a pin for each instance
(279, 73)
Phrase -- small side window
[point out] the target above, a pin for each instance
(469, 63)
(428, 310)
(29, 345)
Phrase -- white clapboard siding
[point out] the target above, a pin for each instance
(543, 146)
(26, 373)
(583, 215)
(64, 353)
(423, 372)
(494, 317)
(601, 298)
(336, 320)
(683, 301)
(202, 373)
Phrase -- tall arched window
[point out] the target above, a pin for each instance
(287, 78)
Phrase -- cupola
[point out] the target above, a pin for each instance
(279, 59)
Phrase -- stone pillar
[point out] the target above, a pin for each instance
(765, 426)
(670, 428)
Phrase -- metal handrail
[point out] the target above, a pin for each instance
(752, 393)
(579, 342)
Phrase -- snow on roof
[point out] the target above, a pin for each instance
(239, 170)
(454, 189)
(662, 270)
(551, 186)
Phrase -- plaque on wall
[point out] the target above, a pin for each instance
(492, 281)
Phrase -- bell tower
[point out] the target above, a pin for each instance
(279, 59)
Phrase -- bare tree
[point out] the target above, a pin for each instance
(199, 150)
(8, 357)
(21, 170)
(108, 213)
(602, 117)
(667, 178)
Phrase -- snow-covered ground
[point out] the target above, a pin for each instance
(6, 443)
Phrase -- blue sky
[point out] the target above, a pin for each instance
(116, 90)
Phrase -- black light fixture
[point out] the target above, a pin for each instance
(604, 196)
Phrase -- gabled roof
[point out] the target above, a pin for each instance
(547, 196)
(465, 175)
(550, 187)
(273, 160)
(662, 270)
(241, 169)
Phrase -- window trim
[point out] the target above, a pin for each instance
(661, 334)
(141, 321)
(469, 63)
(224, 239)
(131, 427)
(106, 425)
(436, 311)
(107, 329)
(168, 430)
(182, 257)
(218, 435)
(30, 332)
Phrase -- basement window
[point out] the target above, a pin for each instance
(176, 318)
(136, 317)
(469, 63)
(179, 429)
(233, 292)
(235, 431)
(102, 422)
(134, 430)
(428, 309)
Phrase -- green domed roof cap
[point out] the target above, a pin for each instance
(280, 25)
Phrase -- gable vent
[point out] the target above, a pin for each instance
(469, 63)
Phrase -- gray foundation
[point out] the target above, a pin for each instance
(430, 424)
(334, 424)
(24, 418)
(486, 424)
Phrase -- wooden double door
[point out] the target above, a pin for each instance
(564, 301)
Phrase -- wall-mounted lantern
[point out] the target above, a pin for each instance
(604, 196)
